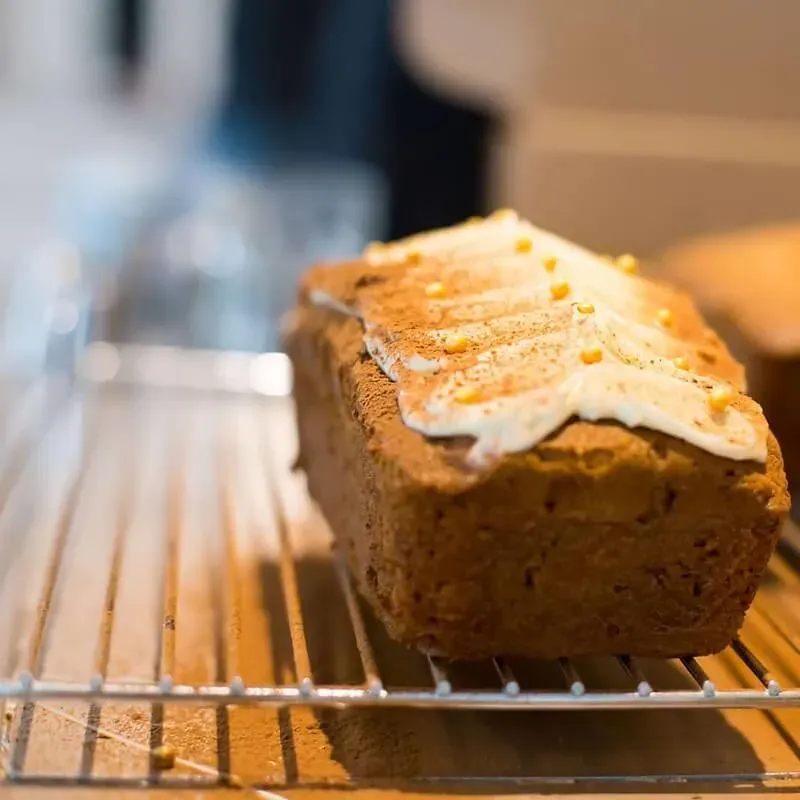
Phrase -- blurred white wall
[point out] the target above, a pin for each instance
(50, 46)
(186, 47)
(57, 107)
(59, 48)
(628, 124)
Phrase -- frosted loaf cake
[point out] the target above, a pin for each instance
(525, 449)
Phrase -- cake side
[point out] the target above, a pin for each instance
(601, 539)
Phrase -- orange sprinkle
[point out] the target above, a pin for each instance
(559, 290)
(664, 316)
(456, 343)
(720, 398)
(467, 394)
(413, 257)
(550, 263)
(524, 244)
(436, 289)
(591, 355)
(681, 362)
(163, 757)
(628, 263)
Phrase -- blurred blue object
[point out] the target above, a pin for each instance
(245, 239)
(322, 81)
(47, 313)
(108, 198)
(308, 82)
(208, 255)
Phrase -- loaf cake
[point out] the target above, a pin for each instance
(525, 449)
(748, 283)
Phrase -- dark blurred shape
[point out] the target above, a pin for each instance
(437, 159)
(320, 80)
(128, 23)
(272, 54)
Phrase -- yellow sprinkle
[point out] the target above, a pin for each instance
(413, 257)
(550, 263)
(681, 362)
(436, 289)
(473, 220)
(591, 355)
(585, 308)
(720, 398)
(559, 290)
(524, 244)
(628, 263)
(467, 394)
(664, 316)
(163, 757)
(456, 343)
(503, 213)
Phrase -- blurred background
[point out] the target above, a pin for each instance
(167, 170)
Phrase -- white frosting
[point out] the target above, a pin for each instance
(524, 348)
(320, 298)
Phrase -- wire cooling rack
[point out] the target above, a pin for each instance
(139, 497)
(136, 394)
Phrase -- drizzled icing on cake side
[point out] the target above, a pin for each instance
(501, 331)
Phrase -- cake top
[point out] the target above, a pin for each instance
(501, 331)
(752, 276)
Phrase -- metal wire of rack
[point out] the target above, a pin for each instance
(125, 455)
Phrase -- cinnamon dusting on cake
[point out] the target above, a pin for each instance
(627, 349)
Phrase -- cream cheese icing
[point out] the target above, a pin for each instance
(526, 330)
